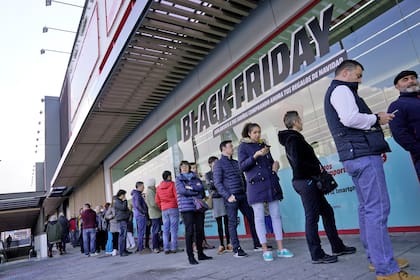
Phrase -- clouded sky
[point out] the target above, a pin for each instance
(26, 77)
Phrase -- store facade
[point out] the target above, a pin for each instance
(290, 69)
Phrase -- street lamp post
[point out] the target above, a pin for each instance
(48, 3)
(56, 51)
(46, 28)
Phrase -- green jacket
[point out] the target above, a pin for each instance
(154, 211)
(53, 232)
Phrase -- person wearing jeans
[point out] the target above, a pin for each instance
(140, 214)
(166, 200)
(89, 230)
(155, 213)
(229, 182)
(305, 166)
(360, 141)
(122, 214)
(262, 186)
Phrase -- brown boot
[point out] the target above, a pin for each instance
(402, 263)
(402, 275)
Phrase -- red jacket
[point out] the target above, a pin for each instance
(72, 224)
(166, 195)
(89, 219)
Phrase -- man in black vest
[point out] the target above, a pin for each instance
(360, 142)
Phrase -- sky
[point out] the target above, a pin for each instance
(26, 77)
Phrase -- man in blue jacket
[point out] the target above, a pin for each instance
(405, 126)
(229, 183)
(140, 210)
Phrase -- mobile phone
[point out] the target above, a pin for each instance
(396, 111)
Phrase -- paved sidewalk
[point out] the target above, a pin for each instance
(175, 266)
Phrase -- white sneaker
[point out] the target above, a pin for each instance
(114, 252)
(94, 254)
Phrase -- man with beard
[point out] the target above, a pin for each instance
(406, 125)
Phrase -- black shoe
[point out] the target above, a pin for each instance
(326, 259)
(167, 252)
(345, 251)
(124, 254)
(128, 252)
(192, 260)
(239, 253)
(204, 257)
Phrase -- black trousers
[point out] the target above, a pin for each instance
(315, 204)
(101, 238)
(194, 225)
(115, 236)
(220, 229)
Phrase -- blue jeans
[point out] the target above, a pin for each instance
(122, 237)
(170, 225)
(369, 178)
(242, 205)
(89, 240)
(155, 232)
(141, 229)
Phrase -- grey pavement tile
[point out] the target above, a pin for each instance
(175, 267)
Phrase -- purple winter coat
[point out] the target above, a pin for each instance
(261, 181)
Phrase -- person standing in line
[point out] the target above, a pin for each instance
(89, 230)
(131, 243)
(154, 213)
(140, 214)
(206, 245)
(305, 166)
(80, 227)
(54, 233)
(122, 214)
(114, 227)
(64, 232)
(230, 184)
(166, 200)
(359, 139)
(262, 186)
(101, 234)
(73, 231)
(188, 188)
(405, 126)
(219, 210)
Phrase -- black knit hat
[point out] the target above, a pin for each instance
(404, 73)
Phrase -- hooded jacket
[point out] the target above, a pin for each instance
(139, 204)
(405, 126)
(261, 181)
(300, 154)
(54, 231)
(154, 210)
(166, 197)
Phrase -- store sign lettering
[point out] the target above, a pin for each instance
(258, 78)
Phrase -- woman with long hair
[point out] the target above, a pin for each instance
(188, 188)
(262, 186)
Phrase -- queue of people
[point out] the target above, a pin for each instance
(251, 185)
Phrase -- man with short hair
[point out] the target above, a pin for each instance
(305, 166)
(122, 214)
(230, 184)
(360, 142)
(89, 230)
(140, 214)
(405, 126)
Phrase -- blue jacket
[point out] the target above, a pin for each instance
(186, 196)
(139, 204)
(261, 181)
(353, 143)
(405, 126)
(227, 177)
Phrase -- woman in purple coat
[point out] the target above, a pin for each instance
(262, 186)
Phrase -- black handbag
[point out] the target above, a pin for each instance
(325, 182)
(200, 205)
